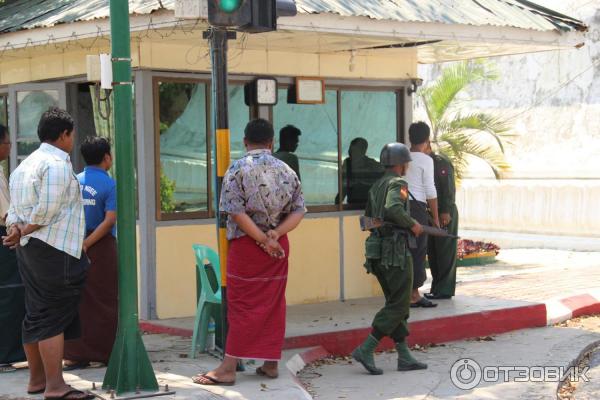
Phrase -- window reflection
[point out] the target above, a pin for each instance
(239, 115)
(30, 107)
(183, 155)
(369, 121)
(317, 150)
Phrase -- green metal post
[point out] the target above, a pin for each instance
(129, 368)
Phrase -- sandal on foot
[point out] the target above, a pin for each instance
(69, 395)
(211, 381)
(261, 372)
(423, 302)
(4, 368)
(432, 296)
(39, 391)
(76, 366)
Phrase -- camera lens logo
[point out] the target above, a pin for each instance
(465, 374)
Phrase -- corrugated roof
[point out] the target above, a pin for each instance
(29, 14)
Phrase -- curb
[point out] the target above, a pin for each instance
(563, 309)
(439, 330)
(301, 360)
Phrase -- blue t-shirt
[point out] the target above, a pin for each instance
(99, 196)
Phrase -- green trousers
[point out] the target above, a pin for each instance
(396, 283)
(442, 259)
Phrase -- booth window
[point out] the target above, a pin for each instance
(317, 151)
(182, 171)
(239, 115)
(369, 121)
(30, 107)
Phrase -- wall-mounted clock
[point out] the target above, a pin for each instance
(261, 92)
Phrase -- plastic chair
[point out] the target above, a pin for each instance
(209, 301)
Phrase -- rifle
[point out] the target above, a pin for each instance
(369, 223)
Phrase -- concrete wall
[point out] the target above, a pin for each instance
(549, 207)
(553, 102)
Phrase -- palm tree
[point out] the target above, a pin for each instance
(459, 135)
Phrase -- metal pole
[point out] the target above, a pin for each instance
(129, 368)
(218, 47)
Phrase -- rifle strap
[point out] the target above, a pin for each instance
(429, 217)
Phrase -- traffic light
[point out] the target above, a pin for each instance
(249, 15)
(229, 6)
(228, 13)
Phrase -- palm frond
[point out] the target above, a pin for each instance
(459, 145)
(438, 97)
(497, 128)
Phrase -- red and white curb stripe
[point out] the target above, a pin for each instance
(301, 360)
(562, 309)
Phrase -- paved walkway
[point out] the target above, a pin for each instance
(542, 347)
(168, 355)
(520, 278)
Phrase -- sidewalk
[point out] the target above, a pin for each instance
(525, 289)
(168, 355)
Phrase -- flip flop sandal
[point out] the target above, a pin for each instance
(65, 396)
(76, 366)
(432, 296)
(261, 372)
(423, 302)
(6, 368)
(213, 381)
(39, 391)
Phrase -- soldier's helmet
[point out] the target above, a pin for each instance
(394, 154)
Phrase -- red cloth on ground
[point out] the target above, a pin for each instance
(256, 285)
(99, 307)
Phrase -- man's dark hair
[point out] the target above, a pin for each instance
(288, 137)
(3, 133)
(358, 145)
(259, 131)
(54, 122)
(418, 132)
(94, 148)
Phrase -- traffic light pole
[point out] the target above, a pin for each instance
(129, 368)
(218, 48)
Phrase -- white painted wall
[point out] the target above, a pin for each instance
(553, 100)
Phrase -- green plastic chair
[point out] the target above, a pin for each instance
(209, 301)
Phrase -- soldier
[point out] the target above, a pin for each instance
(389, 260)
(442, 250)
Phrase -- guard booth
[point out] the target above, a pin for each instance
(340, 74)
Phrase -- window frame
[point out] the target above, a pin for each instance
(339, 88)
(339, 85)
(195, 79)
(174, 216)
(13, 110)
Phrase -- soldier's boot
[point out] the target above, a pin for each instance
(406, 361)
(364, 355)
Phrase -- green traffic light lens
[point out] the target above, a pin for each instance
(229, 6)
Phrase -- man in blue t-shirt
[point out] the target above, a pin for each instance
(99, 304)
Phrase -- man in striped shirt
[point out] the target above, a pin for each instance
(47, 227)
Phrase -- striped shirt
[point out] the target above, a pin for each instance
(45, 191)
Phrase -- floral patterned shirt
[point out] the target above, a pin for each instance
(263, 187)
